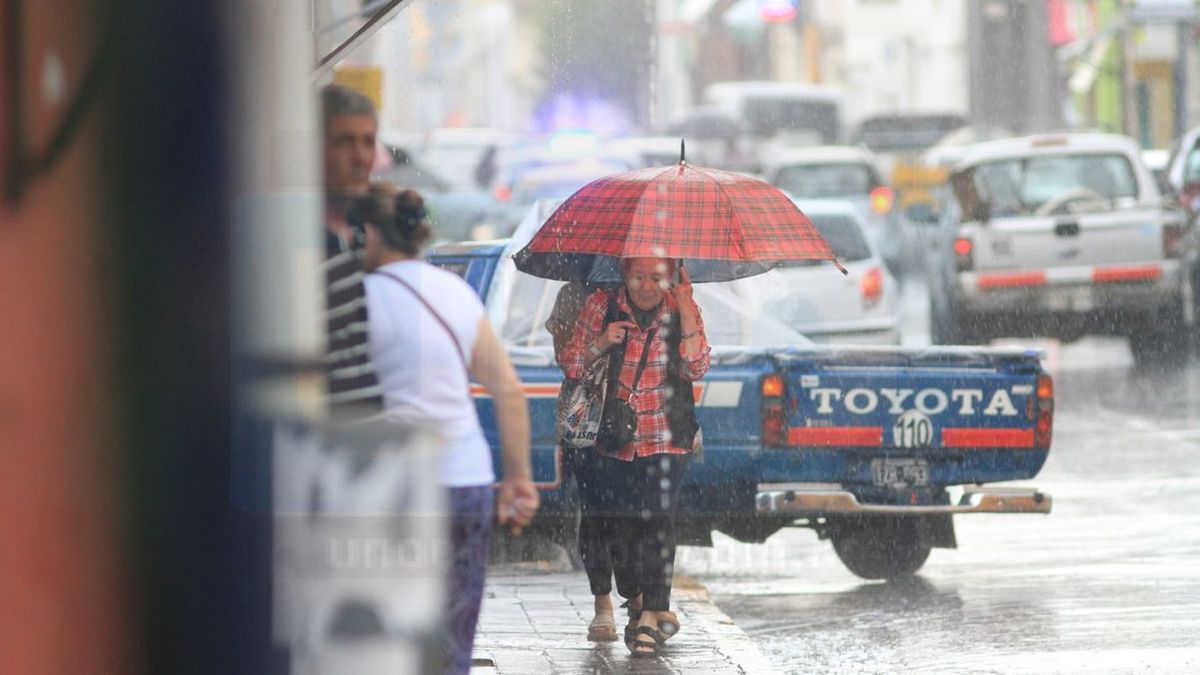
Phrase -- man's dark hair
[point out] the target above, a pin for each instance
(338, 100)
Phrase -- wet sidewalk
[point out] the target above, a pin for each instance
(535, 621)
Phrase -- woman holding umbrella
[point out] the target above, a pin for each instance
(654, 335)
(632, 227)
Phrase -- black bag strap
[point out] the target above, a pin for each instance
(637, 375)
(618, 361)
(616, 357)
(433, 312)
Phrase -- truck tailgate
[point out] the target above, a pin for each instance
(1106, 238)
(898, 418)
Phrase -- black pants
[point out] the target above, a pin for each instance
(627, 524)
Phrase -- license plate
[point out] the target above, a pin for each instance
(1071, 299)
(900, 473)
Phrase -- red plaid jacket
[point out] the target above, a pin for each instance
(650, 400)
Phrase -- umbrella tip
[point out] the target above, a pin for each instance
(682, 154)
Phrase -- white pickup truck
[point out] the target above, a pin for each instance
(1062, 235)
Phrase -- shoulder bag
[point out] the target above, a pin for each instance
(618, 425)
(581, 401)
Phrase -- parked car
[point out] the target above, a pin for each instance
(1059, 236)
(861, 307)
(1183, 170)
(849, 173)
(1182, 174)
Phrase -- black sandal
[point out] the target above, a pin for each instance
(645, 648)
(635, 615)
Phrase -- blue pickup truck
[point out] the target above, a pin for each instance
(876, 448)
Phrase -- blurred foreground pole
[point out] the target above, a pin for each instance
(354, 512)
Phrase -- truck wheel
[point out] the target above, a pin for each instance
(881, 548)
(942, 330)
(953, 328)
(1162, 339)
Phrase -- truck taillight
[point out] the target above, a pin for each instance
(1044, 429)
(774, 417)
(871, 286)
(963, 254)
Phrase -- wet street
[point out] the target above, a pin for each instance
(1108, 582)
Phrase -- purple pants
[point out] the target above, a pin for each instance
(472, 512)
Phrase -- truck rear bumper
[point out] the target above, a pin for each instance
(1072, 289)
(822, 500)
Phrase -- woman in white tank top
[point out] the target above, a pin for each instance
(428, 339)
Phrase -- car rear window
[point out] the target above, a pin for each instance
(844, 235)
(1022, 185)
(815, 181)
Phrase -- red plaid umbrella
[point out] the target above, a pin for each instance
(722, 225)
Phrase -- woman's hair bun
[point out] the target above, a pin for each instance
(410, 210)
(399, 215)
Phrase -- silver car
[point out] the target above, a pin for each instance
(816, 300)
(852, 174)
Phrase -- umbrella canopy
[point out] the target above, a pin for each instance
(722, 225)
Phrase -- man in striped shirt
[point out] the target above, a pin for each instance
(350, 126)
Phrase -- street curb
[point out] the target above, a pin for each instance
(535, 621)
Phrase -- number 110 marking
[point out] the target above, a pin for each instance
(912, 430)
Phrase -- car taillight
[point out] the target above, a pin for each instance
(871, 286)
(502, 193)
(963, 257)
(882, 200)
(774, 418)
(1044, 429)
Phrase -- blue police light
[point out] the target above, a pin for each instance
(777, 11)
